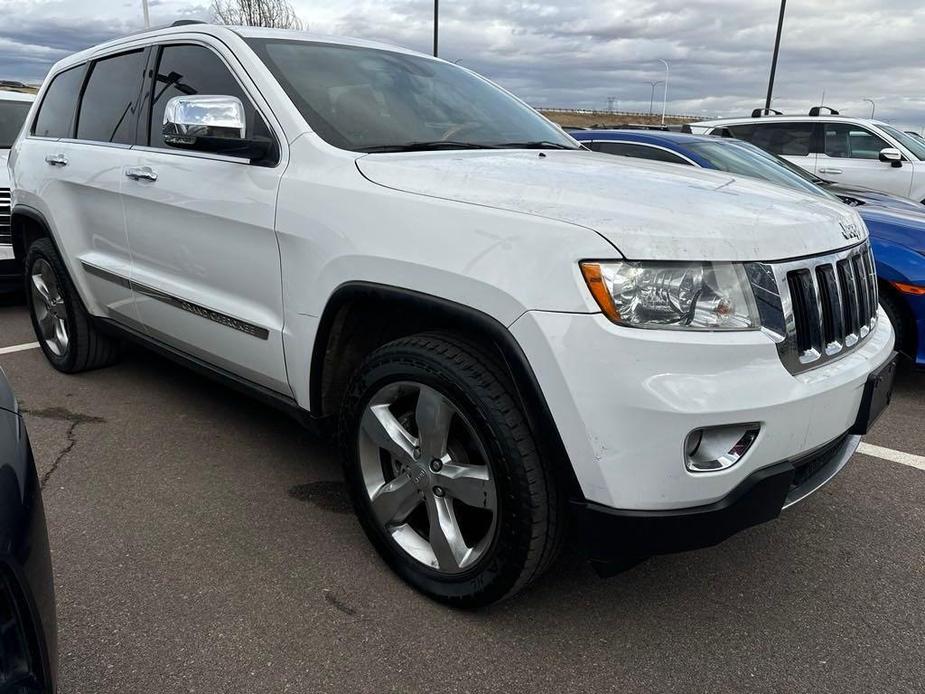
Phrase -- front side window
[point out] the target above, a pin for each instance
(184, 70)
(107, 108)
(373, 100)
(639, 151)
(59, 103)
(847, 141)
(12, 116)
(785, 139)
(914, 143)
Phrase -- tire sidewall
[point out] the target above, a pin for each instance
(497, 572)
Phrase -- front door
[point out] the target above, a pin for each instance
(201, 227)
(851, 156)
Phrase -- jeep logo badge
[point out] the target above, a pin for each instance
(850, 230)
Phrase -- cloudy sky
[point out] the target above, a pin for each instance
(578, 53)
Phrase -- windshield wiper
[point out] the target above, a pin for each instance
(538, 144)
(425, 146)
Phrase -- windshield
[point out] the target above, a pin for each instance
(12, 116)
(747, 160)
(369, 100)
(913, 144)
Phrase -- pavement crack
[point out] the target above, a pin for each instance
(65, 415)
(337, 603)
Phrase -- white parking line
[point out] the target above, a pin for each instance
(916, 461)
(19, 348)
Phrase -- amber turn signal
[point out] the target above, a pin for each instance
(909, 288)
(595, 281)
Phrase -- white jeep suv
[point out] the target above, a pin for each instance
(514, 337)
(849, 151)
(14, 106)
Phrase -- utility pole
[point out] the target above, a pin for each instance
(667, 79)
(873, 107)
(780, 29)
(611, 100)
(436, 24)
(144, 7)
(652, 95)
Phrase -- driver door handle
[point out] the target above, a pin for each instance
(142, 173)
(830, 171)
(56, 160)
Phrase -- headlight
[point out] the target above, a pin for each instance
(673, 296)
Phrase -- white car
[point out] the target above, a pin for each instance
(14, 106)
(508, 332)
(849, 151)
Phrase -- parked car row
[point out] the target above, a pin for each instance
(512, 338)
(896, 224)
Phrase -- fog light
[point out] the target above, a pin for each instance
(718, 448)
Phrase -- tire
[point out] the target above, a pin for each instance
(895, 311)
(55, 308)
(419, 379)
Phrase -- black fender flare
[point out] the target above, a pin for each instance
(466, 318)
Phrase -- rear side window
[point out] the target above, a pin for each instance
(788, 139)
(846, 141)
(108, 107)
(187, 70)
(59, 103)
(637, 151)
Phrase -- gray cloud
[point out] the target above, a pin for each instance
(579, 53)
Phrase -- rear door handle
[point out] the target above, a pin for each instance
(830, 171)
(142, 173)
(56, 160)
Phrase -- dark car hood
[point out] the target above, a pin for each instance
(875, 198)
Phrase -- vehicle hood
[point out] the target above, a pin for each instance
(875, 198)
(647, 210)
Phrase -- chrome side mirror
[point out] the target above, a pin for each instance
(891, 155)
(209, 123)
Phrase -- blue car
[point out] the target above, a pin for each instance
(896, 224)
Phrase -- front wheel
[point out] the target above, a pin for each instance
(444, 473)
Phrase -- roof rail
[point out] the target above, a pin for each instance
(759, 112)
(187, 22)
(817, 110)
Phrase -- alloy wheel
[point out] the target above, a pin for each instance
(428, 477)
(49, 308)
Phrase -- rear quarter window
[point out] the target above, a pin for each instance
(56, 113)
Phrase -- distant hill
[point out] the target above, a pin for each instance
(578, 118)
(14, 86)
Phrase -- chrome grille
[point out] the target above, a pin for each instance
(818, 308)
(5, 215)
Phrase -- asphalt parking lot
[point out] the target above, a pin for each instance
(202, 542)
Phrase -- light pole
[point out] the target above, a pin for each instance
(144, 7)
(780, 29)
(652, 96)
(436, 24)
(873, 107)
(667, 78)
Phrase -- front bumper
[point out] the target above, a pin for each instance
(617, 538)
(625, 400)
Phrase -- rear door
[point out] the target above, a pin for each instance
(202, 228)
(794, 140)
(79, 143)
(851, 156)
